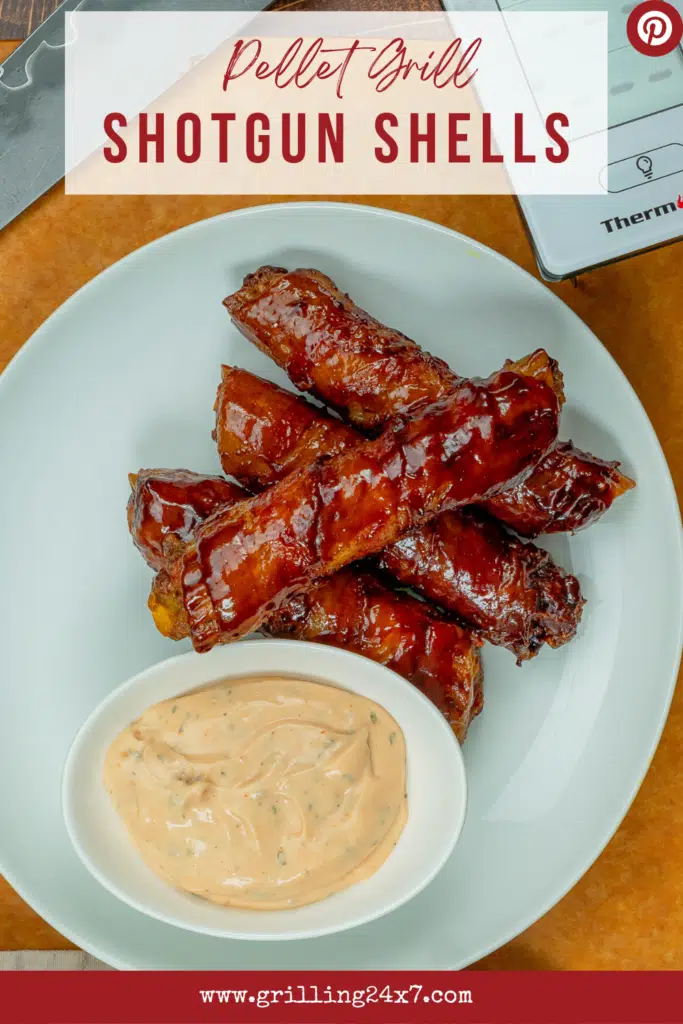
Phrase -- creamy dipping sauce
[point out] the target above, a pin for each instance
(262, 793)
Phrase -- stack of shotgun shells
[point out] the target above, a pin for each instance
(390, 524)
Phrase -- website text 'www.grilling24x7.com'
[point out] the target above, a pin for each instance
(306, 995)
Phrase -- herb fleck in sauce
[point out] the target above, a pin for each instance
(325, 772)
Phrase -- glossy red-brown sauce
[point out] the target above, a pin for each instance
(247, 560)
(353, 609)
(512, 592)
(370, 373)
(166, 506)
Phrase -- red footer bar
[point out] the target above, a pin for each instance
(392, 997)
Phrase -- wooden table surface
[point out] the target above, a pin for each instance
(627, 911)
(19, 17)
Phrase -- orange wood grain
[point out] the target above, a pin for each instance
(19, 17)
(627, 911)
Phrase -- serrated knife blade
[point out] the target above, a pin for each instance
(32, 82)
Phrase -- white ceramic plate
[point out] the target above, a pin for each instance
(124, 376)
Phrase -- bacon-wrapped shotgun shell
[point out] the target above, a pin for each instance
(354, 609)
(511, 592)
(247, 560)
(166, 505)
(330, 347)
(370, 373)
(571, 489)
(263, 432)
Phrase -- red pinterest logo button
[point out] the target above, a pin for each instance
(655, 28)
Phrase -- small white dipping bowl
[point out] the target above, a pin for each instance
(435, 775)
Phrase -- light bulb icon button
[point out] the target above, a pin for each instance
(644, 165)
(643, 168)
